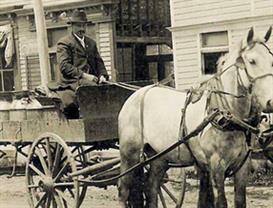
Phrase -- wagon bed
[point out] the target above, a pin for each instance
(99, 108)
(64, 156)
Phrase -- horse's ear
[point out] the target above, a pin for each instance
(268, 34)
(250, 36)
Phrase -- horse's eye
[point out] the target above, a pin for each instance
(252, 61)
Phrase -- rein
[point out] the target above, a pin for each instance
(251, 79)
(142, 163)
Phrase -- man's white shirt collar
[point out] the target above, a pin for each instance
(80, 39)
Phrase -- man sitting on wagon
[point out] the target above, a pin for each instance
(79, 62)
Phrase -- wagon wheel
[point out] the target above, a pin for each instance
(172, 189)
(81, 160)
(48, 165)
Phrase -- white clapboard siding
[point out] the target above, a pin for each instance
(29, 3)
(239, 30)
(189, 12)
(186, 43)
(185, 58)
(105, 45)
(27, 47)
(33, 71)
(263, 7)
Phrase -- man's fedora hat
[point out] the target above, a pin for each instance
(78, 16)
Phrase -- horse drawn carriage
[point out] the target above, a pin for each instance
(151, 134)
(64, 156)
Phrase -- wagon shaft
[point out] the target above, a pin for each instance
(107, 174)
(94, 169)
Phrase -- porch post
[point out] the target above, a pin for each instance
(42, 41)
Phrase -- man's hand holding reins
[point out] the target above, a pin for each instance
(102, 79)
(90, 77)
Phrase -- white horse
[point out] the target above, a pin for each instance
(151, 117)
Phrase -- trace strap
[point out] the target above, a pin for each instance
(195, 132)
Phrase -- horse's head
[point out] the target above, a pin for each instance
(256, 69)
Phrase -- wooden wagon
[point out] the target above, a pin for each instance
(64, 157)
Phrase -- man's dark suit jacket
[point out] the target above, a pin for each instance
(74, 59)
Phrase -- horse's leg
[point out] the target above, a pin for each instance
(206, 198)
(124, 185)
(240, 182)
(156, 173)
(129, 185)
(217, 176)
(136, 190)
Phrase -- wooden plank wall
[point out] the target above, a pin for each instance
(185, 58)
(33, 71)
(106, 45)
(186, 41)
(27, 47)
(263, 7)
(6, 3)
(190, 12)
(190, 18)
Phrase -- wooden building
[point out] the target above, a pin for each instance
(132, 42)
(202, 30)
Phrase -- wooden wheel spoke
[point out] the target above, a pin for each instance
(49, 154)
(169, 193)
(33, 186)
(78, 160)
(74, 149)
(58, 176)
(162, 198)
(41, 200)
(80, 154)
(71, 192)
(42, 160)
(57, 159)
(57, 200)
(48, 165)
(54, 204)
(64, 197)
(63, 159)
(36, 170)
(49, 199)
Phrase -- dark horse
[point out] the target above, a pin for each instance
(152, 116)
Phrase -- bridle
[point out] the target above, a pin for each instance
(252, 79)
(247, 90)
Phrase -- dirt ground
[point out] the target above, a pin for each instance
(13, 195)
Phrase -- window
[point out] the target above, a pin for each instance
(213, 45)
(6, 58)
(53, 36)
(160, 61)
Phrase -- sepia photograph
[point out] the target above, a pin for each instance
(136, 104)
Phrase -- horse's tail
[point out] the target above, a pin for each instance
(131, 148)
(130, 119)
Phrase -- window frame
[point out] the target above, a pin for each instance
(13, 66)
(212, 49)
